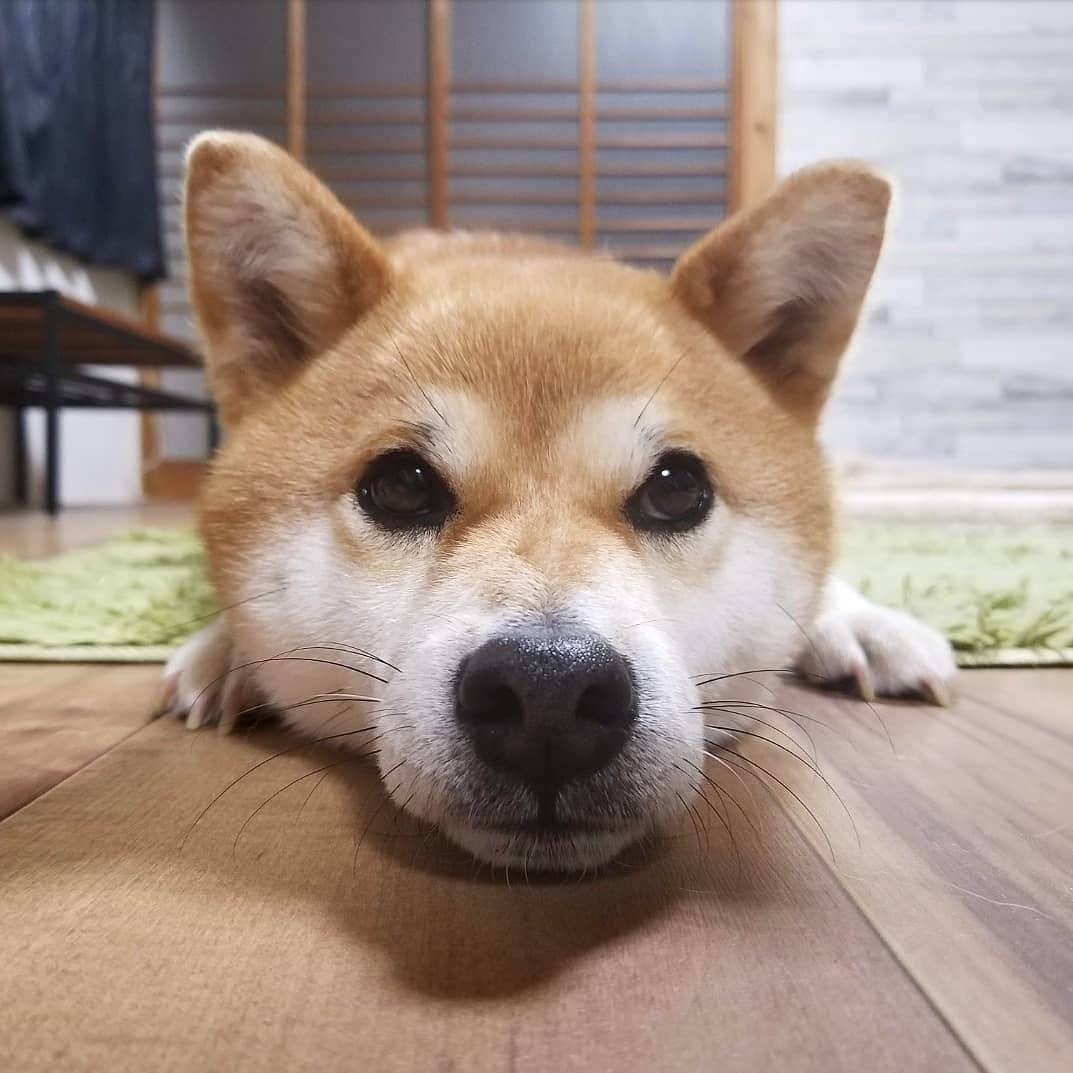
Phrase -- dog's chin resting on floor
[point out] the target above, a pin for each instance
(504, 515)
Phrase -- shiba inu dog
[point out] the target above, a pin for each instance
(497, 505)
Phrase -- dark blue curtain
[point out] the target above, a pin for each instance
(77, 164)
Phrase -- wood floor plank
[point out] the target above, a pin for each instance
(124, 949)
(270, 944)
(57, 717)
(965, 862)
(30, 534)
(1043, 697)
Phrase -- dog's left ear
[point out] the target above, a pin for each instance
(781, 284)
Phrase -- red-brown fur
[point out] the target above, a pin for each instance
(538, 332)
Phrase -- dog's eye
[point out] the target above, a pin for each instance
(400, 490)
(676, 496)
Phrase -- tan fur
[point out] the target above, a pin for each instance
(782, 284)
(534, 327)
(542, 341)
(543, 385)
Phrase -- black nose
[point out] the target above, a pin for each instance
(548, 706)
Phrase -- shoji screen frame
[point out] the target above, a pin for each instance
(750, 145)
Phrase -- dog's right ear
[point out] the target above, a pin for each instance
(278, 269)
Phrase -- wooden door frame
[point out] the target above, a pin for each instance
(437, 98)
(179, 478)
(161, 478)
(753, 92)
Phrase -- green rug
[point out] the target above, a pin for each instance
(1003, 594)
(131, 599)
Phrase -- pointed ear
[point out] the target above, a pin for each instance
(278, 269)
(781, 284)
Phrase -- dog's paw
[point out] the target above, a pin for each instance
(202, 685)
(880, 651)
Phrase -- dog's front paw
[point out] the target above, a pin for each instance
(203, 685)
(881, 651)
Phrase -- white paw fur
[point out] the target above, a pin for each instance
(203, 685)
(883, 652)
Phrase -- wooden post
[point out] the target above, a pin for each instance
(296, 78)
(586, 114)
(149, 423)
(753, 96)
(438, 90)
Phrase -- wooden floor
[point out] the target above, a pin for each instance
(907, 907)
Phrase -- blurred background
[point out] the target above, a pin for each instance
(629, 126)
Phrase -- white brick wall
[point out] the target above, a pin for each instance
(966, 357)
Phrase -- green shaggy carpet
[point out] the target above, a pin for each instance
(131, 599)
(1003, 594)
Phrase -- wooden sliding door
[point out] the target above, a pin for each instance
(629, 126)
(602, 122)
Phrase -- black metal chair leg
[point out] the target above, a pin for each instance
(52, 407)
(19, 485)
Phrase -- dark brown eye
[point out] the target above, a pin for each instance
(400, 490)
(677, 495)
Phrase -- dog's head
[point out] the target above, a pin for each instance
(520, 499)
